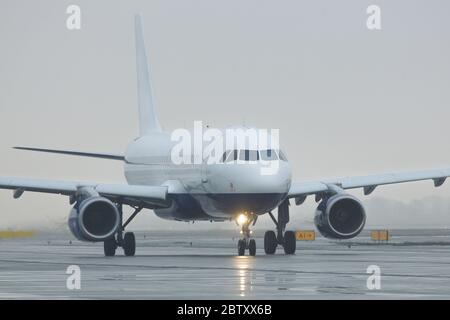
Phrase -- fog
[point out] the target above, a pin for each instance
(347, 101)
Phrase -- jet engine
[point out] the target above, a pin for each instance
(94, 219)
(341, 216)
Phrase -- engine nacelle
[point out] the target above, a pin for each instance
(94, 219)
(341, 216)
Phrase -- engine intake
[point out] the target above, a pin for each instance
(94, 219)
(341, 216)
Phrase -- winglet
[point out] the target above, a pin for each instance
(148, 121)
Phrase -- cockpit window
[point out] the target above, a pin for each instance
(253, 155)
(244, 155)
(248, 155)
(282, 156)
(225, 155)
(232, 155)
(235, 155)
(268, 155)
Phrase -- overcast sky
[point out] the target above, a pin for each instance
(347, 101)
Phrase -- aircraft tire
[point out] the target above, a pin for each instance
(109, 247)
(270, 242)
(241, 247)
(129, 244)
(290, 242)
(252, 247)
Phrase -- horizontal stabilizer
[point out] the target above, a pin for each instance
(109, 156)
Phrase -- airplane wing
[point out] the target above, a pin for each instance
(299, 190)
(146, 196)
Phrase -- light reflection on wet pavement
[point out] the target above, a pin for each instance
(170, 267)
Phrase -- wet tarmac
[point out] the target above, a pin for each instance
(204, 265)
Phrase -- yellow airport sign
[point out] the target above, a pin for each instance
(379, 235)
(305, 235)
(9, 234)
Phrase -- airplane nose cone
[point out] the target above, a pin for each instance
(254, 179)
(244, 187)
(250, 178)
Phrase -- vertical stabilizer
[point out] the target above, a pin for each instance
(148, 121)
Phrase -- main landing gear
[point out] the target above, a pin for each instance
(127, 241)
(271, 239)
(244, 221)
(284, 238)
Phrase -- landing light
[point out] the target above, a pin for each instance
(242, 219)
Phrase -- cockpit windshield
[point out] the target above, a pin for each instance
(253, 155)
(230, 156)
(249, 155)
(268, 155)
(282, 156)
(225, 155)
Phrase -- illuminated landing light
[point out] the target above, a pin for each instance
(242, 219)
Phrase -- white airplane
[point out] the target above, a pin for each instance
(212, 192)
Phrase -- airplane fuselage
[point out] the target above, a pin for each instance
(203, 191)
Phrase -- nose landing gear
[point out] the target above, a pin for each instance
(244, 221)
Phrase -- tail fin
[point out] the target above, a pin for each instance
(148, 121)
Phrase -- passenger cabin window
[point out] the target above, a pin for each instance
(249, 155)
(268, 155)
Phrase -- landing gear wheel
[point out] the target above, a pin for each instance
(290, 243)
(109, 247)
(241, 247)
(252, 247)
(270, 242)
(129, 244)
